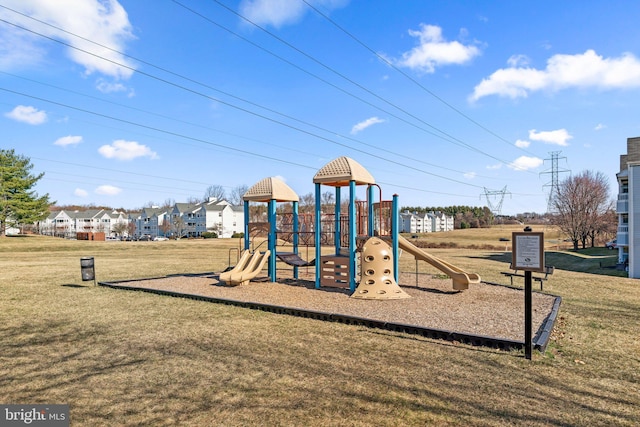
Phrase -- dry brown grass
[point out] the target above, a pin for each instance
(128, 358)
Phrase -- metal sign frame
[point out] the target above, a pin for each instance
(528, 251)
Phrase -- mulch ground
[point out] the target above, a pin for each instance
(482, 310)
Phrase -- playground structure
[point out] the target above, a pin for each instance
(366, 240)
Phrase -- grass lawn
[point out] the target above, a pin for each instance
(131, 358)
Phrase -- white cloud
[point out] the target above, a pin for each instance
(108, 190)
(563, 71)
(282, 12)
(470, 175)
(600, 126)
(434, 51)
(554, 137)
(365, 124)
(522, 144)
(103, 21)
(80, 192)
(68, 140)
(524, 163)
(126, 150)
(27, 114)
(494, 167)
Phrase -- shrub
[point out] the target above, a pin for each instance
(237, 235)
(209, 235)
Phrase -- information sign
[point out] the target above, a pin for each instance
(528, 251)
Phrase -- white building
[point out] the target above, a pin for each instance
(429, 222)
(214, 215)
(183, 219)
(628, 208)
(223, 218)
(68, 223)
(440, 221)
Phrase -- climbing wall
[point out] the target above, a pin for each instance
(376, 266)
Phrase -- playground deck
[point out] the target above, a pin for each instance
(482, 311)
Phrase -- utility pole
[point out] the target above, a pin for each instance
(555, 173)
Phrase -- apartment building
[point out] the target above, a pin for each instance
(429, 222)
(628, 208)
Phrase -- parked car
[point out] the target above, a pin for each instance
(144, 238)
(612, 244)
(160, 238)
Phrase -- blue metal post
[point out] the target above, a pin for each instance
(296, 230)
(272, 239)
(318, 231)
(352, 236)
(371, 219)
(247, 242)
(394, 237)
(337, 236)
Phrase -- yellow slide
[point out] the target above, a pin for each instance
(461, 278)
(242, 263)
(245, 273)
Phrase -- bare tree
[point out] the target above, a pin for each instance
(119, 228)
(168, 204)
(179, 226)
(258, 212)
(165, 226)
(307, 203)
(581, 201)
(236, 195)
(192, 200)
(328, 199)
(214, 192)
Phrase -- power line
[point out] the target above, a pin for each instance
(262, 116)
(242, 99)
(208, 142)
(410, 78)
(444, 135)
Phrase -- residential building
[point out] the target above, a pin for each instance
(223, 218)
(150, 221)
(440, 221)
(67, 224)
(182, 220)
(628, 208)
(430, 222)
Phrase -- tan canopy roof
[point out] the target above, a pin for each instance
(270, 188)
(341, 171)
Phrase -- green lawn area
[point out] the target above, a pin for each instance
(137, 359)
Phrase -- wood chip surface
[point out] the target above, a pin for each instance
(483, 309)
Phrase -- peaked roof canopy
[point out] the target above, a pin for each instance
(341, 171)
(270, 188)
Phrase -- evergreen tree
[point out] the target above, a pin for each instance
(19, 204)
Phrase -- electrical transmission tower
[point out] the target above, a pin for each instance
(555, 173)
(495, 208)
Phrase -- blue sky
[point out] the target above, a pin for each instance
(137, 101)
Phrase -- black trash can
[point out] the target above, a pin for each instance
(87, 269)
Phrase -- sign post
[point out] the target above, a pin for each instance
(528, 255)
